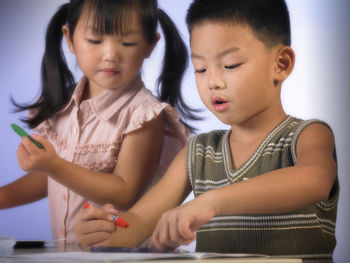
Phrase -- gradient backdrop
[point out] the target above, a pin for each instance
(318, 88)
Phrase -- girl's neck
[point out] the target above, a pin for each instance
(90, 93)
(86, 93)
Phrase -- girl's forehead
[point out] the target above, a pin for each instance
(105, 23)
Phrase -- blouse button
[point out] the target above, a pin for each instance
(64, 197)
(75, 130)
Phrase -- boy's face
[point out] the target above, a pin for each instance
(234, 72)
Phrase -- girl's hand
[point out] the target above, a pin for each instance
(95, 225)
(33, 159)
(177, 226)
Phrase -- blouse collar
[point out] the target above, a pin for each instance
(108, 103)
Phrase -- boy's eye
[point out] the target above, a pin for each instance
(200, 71)
(233, 66)
(129, 44)
(94, 41)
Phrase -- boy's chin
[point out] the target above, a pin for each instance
(222, 119)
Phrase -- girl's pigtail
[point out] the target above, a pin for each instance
(174, 65)
(57, 80)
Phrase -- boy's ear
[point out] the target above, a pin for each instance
(152, 46)
(67, 36)
(285, 60)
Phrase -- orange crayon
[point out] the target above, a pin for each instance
(116, 219)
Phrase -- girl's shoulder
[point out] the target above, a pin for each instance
(144, 97)
(145, 107)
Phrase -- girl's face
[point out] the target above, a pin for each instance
(108, 61)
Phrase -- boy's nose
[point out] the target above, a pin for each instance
(216, 81)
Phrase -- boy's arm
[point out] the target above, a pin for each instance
(287, 189)
(29, 188)
(93, 226)
(137, 160)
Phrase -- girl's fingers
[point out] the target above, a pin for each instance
(104, 243)
(94, 226)
(93, 239)
(22, 151)
(90, 230)
(108, 206)
(94, 213)
(110, 209)
(41, 139)
(28, 145)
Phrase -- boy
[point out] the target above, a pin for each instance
(268, 185)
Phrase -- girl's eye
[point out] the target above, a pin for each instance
(94, 41)
(200, 71)
(129, 44)
(233, 66)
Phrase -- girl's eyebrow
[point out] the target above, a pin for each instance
(220, 55)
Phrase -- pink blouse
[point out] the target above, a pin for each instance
(90, 134)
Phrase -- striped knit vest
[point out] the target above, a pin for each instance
(308, 233)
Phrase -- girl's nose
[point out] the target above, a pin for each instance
(111, 52)
(216, 81)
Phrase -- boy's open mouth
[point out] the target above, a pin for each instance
(218, 101)
(220, 104)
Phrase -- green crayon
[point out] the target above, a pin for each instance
(22, 133)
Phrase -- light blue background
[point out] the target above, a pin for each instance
(318, 88)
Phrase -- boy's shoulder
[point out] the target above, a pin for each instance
(290, 129)
(213, 135)
(213, 139)
(290, 123)
(296, 125)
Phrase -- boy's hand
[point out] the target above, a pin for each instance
(95, 225)
(177, 226)
(33, 159)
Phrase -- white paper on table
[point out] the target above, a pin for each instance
(107, 256)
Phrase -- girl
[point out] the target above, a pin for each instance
(107, 138)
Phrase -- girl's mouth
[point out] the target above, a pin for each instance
(110, 72)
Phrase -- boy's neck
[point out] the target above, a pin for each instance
(246, 138)
(257, 127)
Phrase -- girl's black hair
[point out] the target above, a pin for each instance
(110, 17)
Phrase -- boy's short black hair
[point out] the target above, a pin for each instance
(268, 19)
